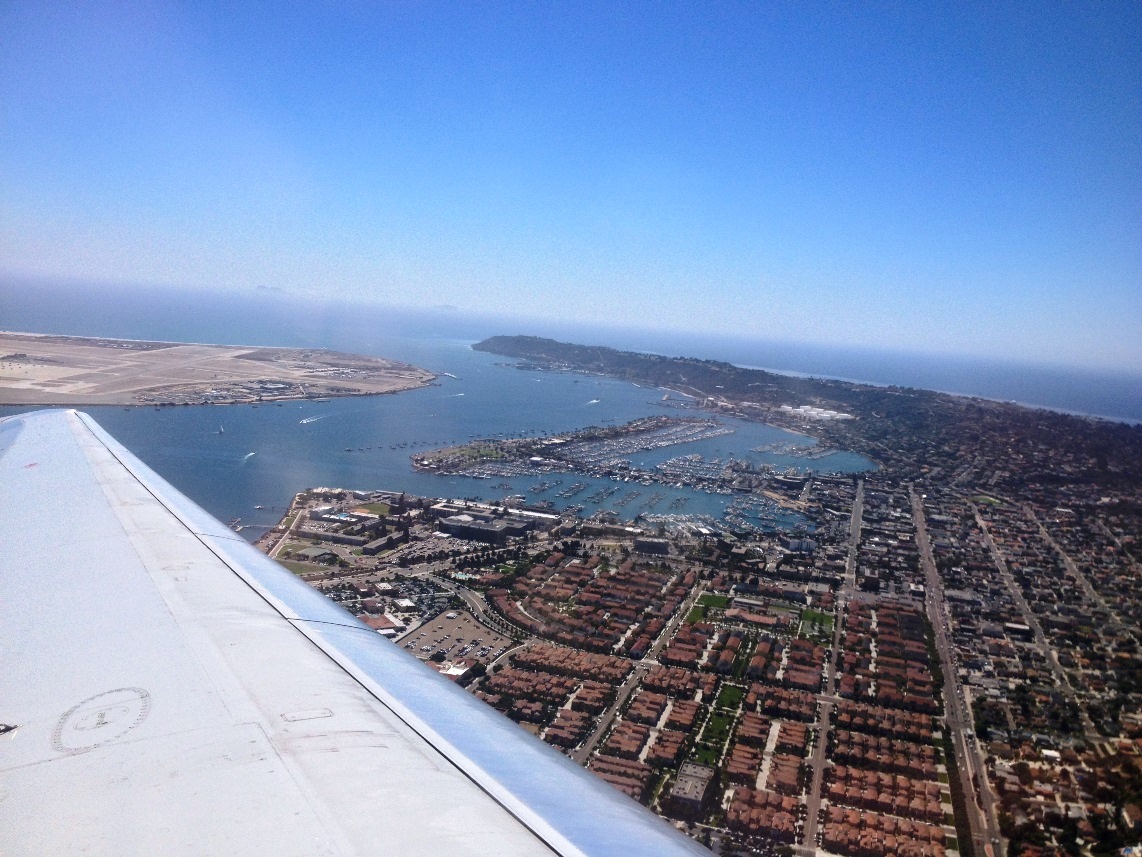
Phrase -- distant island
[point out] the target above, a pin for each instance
(41, 369)
(917, 435)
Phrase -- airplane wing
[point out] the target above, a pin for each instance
(166, 689)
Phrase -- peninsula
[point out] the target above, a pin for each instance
(916, 435)
(40, 369)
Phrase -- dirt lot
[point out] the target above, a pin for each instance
(69, 370)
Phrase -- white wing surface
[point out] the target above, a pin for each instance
(173, 691)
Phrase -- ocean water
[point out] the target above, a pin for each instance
(234, 459)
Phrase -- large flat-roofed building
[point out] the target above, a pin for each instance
(316, 554)
(385, 542)
(495, 531)
(652, 546)
(691, 789)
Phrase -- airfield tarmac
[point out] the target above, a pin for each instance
(40, 369)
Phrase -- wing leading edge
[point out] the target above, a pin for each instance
(174, 691)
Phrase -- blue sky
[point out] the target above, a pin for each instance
(955, 178)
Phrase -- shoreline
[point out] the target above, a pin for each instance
(324, 397)
(58, 370)
(810, 376)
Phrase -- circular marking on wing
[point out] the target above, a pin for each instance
(101, 719)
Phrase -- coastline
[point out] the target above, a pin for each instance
(8, 402)
(905, 430)
(959, 394)
(56, 370)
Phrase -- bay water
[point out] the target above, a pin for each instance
(234, 459)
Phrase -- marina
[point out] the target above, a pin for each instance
(368, 441)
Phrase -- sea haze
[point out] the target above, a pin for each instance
(234, 459)
(269, 317)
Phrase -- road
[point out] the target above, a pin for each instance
(1092, 596)
(1110, 534)
(298, 511)
(584, 751)
(824, 718)
(1029, 619)
(478, 607)
(980, 803)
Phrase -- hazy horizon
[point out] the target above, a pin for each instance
(942, 179)
(636, 335)
(264, 317)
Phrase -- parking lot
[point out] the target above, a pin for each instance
(457, 635)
